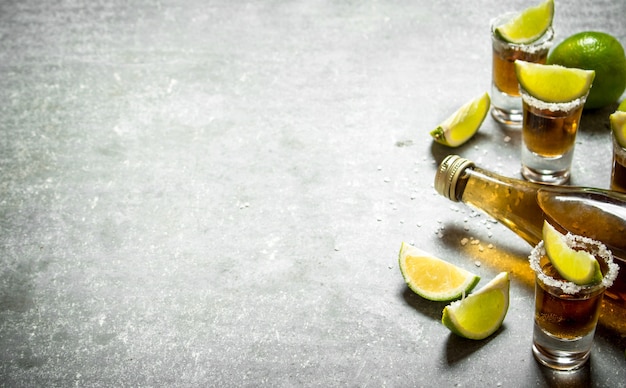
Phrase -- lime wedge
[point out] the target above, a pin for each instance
(433, 278)
(579, 267)
(553, 83)
(529, 25)
(464, 123)
(622, 106)
(481, 313)
(618, 126)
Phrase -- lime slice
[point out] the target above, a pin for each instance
(433, 278)
(618, 126)
(529, 25)
(481, 313)
(462, 124)
(579, 267)
(622, 106)
(553, 83)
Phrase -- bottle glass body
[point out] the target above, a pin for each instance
(522, 206)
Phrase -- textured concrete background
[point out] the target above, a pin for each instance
(214, 193)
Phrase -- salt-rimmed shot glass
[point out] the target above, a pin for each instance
(548, 138)
(566, 314)
(505, 97)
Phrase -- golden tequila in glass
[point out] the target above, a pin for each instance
(548, 138)
(618, 172)
(566, 314)
(505, 96)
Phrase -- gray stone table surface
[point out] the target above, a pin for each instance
(213, 193)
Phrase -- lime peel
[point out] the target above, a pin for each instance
(579, 267)
(433, 278)
(618, 126)
(568, 287)
(459, 127)
(480, 314)
(528, 25)
(553, 83)
(599, 51)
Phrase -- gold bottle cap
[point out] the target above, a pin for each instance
(448, 173)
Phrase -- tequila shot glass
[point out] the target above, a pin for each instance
(548, 138)
(566, 314)
(505, 97)
(618, 171)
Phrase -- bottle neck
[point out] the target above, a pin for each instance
(448, 176)
(510, 201)
(523, 206)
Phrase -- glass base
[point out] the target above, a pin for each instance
(510, 119)
(545, 176)
(559, 354)
(506, 109)
(562, 362)
(549, 170)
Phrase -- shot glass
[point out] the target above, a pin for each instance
(618, 172)
(505, 96)
(566, 314)
(548, 138)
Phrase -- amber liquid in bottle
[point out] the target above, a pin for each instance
(523, 206)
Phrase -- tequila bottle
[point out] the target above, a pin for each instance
(522, 206)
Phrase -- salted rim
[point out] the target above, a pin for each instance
(574, 241)
(544, 42)
(564, 107)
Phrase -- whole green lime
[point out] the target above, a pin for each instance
(599, 51)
